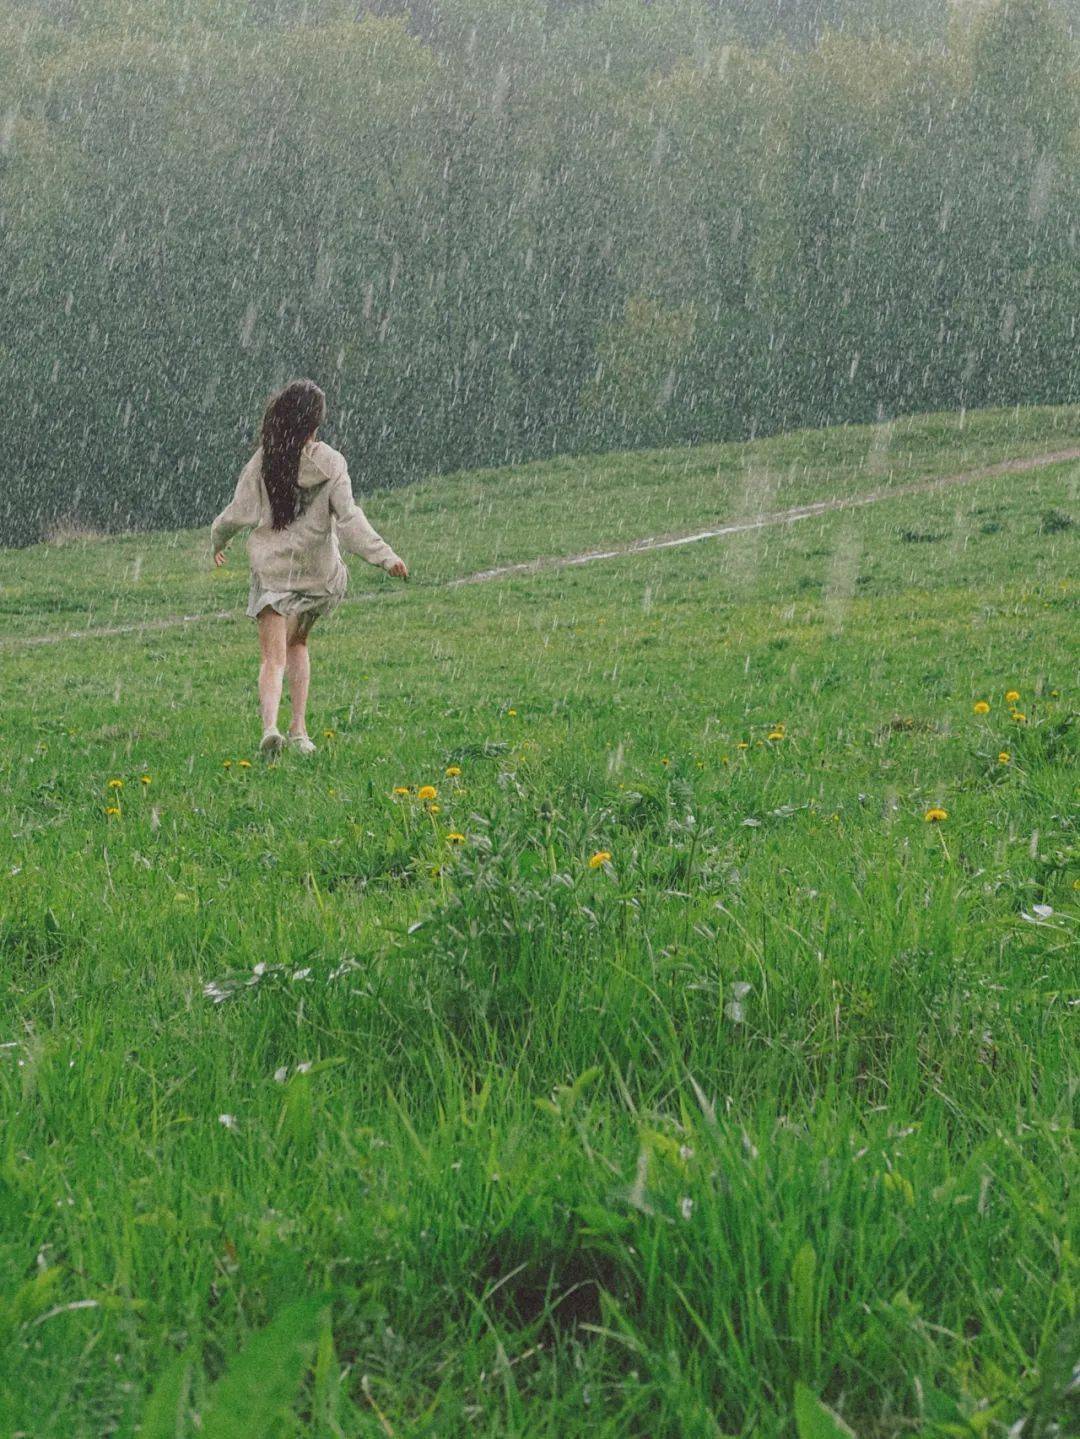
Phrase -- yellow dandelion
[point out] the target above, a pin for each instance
(1018, 717)
(778, 728)
(401, 789)
(981, 707)
(329, 734)
(427, 791)
(116, 784)
(776, 734)
(111, 809)
(245, 764)
(511, 713)
(454, 837)
(452, 771)
(724, 759)
(226, 764)
(1004, 757)
(935, 815)
(743, 744)
(144, 779)
(1011, 696)
(602, 856)
(665, 761)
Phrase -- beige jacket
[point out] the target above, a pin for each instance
(306, 555)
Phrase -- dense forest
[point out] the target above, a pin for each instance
(497, 229)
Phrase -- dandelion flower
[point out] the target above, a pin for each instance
(665, 761)
(433, 808)
(111, 809)
(1004, 757)
(427, 791)
(401, 789)
(776, 734)
(1018, 717)
(245, 764)
(602, 856)
(226, 764)
(935, 815)
(144, 779)
(981, 707)
(452, 771)
(455, 838)
(512, 713)
(329, 734)
(116, 784)
(743, 744)
(1012, 696)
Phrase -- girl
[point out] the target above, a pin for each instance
(295, 496)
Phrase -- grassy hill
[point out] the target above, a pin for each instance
(495, 1140)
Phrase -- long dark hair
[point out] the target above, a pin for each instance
(288, 421)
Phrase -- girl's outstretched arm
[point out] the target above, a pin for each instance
(242, 511)
(355, 533)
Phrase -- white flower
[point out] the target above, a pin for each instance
(282, 1074)
(228, 1120)
(1038, 912)
(304, 1067)
(686, 1206)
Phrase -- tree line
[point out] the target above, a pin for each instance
(494, 230)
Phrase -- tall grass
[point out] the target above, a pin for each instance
(318, 1121)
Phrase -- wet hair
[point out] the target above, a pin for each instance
(288, 420)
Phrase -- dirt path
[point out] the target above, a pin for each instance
(632, 547)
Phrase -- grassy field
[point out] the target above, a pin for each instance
(331, 1110)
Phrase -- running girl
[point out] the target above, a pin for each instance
(295, 496)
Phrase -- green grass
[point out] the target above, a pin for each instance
(783, 1095)
(459, 524)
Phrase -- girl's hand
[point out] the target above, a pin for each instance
(400, 571)
(219, 558)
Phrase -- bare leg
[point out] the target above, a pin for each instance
(298, 665)
(272, 670)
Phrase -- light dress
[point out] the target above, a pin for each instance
(299, 570)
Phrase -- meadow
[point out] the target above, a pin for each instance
(652, 1012)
